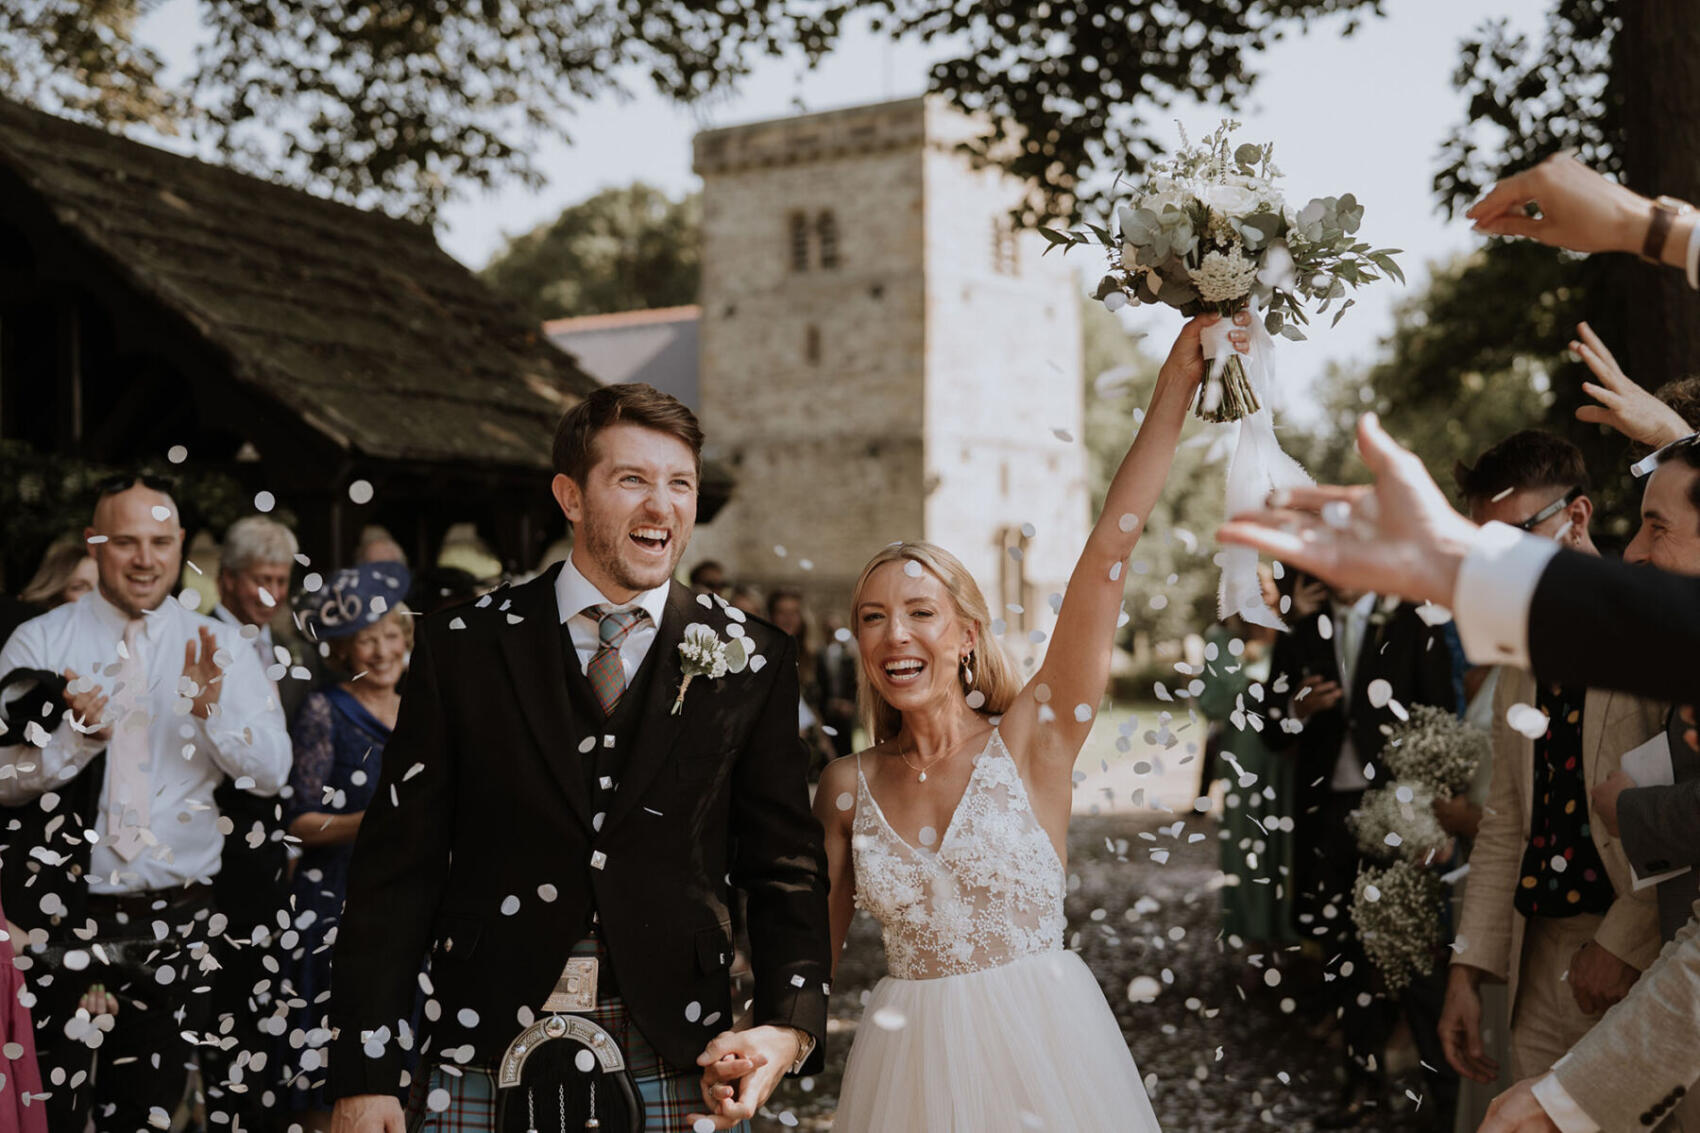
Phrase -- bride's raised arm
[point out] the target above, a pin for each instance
(1076, 671)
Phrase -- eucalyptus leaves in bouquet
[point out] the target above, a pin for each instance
(1209, 231)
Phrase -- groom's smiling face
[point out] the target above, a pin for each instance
(635, 511)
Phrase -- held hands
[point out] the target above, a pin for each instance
(1579, 209)
(740, 1070)
(1623, 405)
(1604, 799)
(368, 1113)
(1461, 1026)
(1398, 536)
(1598, 979)
(1517, 1111)
(1458, 816)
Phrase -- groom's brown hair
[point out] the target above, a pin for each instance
(630, 403)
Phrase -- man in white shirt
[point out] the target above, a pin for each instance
(162, 705)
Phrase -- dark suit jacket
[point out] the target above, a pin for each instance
(1398, 647)
(1605, 624)
(483, 805)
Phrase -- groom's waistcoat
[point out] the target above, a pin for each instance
(490, 842)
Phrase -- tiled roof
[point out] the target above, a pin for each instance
(357, 322)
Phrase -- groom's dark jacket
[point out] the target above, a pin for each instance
(477, 849)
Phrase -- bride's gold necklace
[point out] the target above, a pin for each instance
(921, 771)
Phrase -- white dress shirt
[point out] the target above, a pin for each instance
(574, 593)
(260, 640)
(244, 739)
(1351, 624)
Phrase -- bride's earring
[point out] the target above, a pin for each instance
(968, 670)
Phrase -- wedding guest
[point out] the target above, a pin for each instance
(708, 577)
(1257, 808)
(256, 560)
(66, 573)
(377, 545)
(836, 675)
(748, 599)
(1660, 825)
(1319, 710)
(1513, 594)
(163, 705)
(21, 1107)
(1550, 908)
(339, 737)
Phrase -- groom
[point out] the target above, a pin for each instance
(541, 802)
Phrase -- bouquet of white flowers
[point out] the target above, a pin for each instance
(1398, 912)
(1209, 231)
(1398, 821)
(1437, 749)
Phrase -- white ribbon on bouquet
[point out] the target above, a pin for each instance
(1258, 466)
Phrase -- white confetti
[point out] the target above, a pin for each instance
(177, 454)
(360, 492)
(160, 512)
(1527, 721)
(1380, 692)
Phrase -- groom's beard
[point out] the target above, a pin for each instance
(608, 544)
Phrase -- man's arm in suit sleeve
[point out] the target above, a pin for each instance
(1660, 826)
(395, 882)
(1520, 601)
(779, 861)
(1484, 930)
(1645, 1047)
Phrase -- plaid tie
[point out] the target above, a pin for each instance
(607, 674)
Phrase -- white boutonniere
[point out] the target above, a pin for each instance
(704, 654)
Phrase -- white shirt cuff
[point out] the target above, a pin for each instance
(1496, 583)
(1562, 1108)
(1692, 257)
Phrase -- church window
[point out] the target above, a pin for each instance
(799, 242)
(826, 228)
(811, 345)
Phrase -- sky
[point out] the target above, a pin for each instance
(1364, 115)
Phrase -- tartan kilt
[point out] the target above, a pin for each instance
(669, 1093)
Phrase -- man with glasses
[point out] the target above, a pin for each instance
(160, 705)
(1550, 908)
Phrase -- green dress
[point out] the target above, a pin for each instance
(1256, 828)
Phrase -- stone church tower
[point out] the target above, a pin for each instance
(883, 358)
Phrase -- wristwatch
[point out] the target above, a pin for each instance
(805, 1047)
(1665, 211)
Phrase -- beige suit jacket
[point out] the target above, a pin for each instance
(1639, 1063)
(1490, 931)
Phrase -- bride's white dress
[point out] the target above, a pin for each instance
(986, 1022)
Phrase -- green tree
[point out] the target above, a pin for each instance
(1483, 350)
(623, 249)
(399, 102)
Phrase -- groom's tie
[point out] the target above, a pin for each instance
(607, 674)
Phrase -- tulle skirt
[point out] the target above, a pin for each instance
(1028, 1046)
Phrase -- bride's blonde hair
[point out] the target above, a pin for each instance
(994, 677)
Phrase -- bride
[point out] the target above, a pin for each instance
(952, 830)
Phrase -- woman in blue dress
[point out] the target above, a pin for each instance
(339, 735)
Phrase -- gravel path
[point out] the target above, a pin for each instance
(1215, 1057)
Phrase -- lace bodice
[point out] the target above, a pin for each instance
(991, 892)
